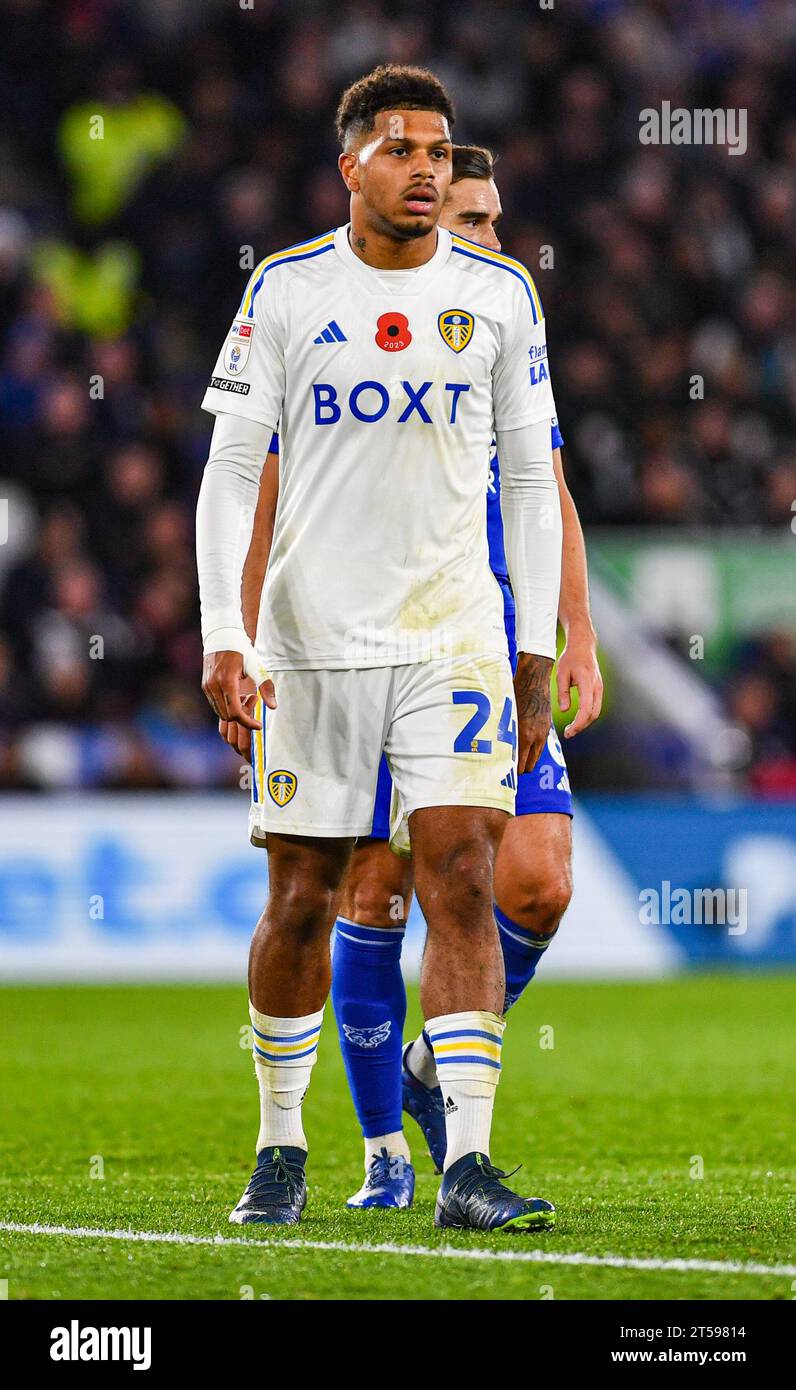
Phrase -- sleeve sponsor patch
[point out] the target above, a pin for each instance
(240, 388)
(236, 348)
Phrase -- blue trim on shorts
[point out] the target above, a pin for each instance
(380, 829)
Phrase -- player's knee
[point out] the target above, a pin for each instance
(465, 882)
(377, 890)
(372, 903)
(540, 904)
(553, 904)
(301, 909)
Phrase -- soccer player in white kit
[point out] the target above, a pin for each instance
(386, 352)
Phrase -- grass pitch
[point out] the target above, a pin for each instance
(659, 1122)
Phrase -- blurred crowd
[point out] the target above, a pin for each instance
(154, 150)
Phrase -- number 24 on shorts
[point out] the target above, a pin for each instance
(468, 741)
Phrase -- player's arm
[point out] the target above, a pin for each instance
(577, 664)
(238, 736)
(256, 561)
(224, 523)
(245, 394)
(532, 529)
(530, 506)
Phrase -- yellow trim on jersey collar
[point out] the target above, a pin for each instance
(497, 258)
(293, 254)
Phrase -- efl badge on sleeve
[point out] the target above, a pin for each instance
(282, 786)
(236, 352)
(456, 327)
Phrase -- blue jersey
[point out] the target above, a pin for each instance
(494, 520)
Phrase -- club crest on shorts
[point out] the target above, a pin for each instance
(456, 327)
(238, 344)
(282, 786)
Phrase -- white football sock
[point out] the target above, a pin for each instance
(468, 1118)
(420, 1061)
(467, 1053)
(395, 1144)
(285, 1050)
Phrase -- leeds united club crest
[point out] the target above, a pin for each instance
(456, 327)
(282, 786)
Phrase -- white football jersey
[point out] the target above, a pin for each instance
(386, 393)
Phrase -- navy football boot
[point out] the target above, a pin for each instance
(473, 1198)
(426, 1106)
(277, 1190)
(390, 1183)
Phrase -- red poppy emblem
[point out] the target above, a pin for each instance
(393, 334)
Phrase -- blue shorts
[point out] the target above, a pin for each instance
(543, 790)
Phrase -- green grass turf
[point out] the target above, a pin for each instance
(642, 1078)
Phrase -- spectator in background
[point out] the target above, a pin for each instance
(30, 586)
(762, 698)
(82, 651)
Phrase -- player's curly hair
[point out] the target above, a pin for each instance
(473, 162)
(390, 87)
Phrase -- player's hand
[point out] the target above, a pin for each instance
(225, 686)
(231, 731)
(532, 694)
(235, 734)
(578, 666)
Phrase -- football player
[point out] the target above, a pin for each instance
(533, 878)
(381, 624)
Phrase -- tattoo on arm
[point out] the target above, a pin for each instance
(532, 686)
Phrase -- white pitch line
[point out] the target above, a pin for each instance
(440, 1252)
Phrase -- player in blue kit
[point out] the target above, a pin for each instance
(533, 874)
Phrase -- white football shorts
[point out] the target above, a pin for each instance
(448, 729)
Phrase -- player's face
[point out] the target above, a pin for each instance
(401, 171)
(472, 210)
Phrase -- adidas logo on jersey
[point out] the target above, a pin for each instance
(332, 333)
(451, 1108)
(509, 780)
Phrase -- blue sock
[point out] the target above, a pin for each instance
(522, 951)
(369, 1000)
